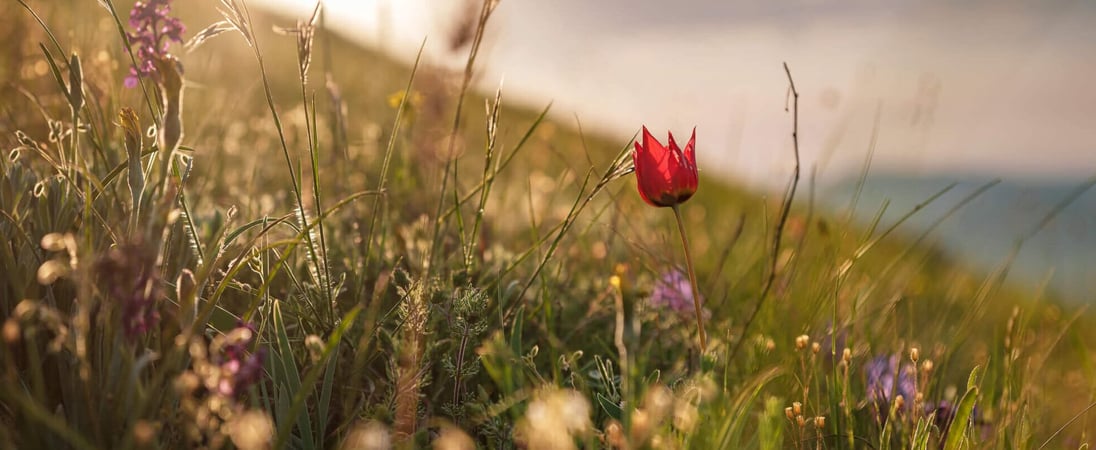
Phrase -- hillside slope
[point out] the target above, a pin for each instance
(357, 267)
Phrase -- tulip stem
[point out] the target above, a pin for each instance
(692, 279)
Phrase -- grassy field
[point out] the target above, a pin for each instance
(287, 241)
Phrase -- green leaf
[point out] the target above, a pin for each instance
(959, 425)
(610, 407)
(975, 375)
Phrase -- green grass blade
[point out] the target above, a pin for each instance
(324, 406)
(306, 386)
(287, 374)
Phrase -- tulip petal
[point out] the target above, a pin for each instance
(651, 145)
(674, 149)
(690, 149)
(641, 172)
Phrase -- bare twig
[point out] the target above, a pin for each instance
(784, 212)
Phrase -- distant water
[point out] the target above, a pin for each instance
(985, 231)
(991, 87)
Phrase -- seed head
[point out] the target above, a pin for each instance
(658, 401)
(252, 430)
(614, 433)
(641, 425)
(368, 436)
(802, 341)
(144, 433)
(685, 416)
(453, 438)
(927, 366)
(11, 332)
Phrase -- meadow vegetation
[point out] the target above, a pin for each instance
(268, 237)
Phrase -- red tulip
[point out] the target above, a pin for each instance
(665, 176)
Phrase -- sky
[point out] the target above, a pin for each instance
(986, 88)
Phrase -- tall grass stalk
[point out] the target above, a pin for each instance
(487, 7)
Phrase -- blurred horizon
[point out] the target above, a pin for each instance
(952, 94)
(989, 89)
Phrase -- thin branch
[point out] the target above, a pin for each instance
(785, 211)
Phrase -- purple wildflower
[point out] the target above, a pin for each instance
(885, 381)
(673, 291)
(153, 32)
(239, 369)
(130, 278)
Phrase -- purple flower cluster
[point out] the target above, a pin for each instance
(886, 381)
(673, 291)
(153, 32)
(239, 368)
(130, 277)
